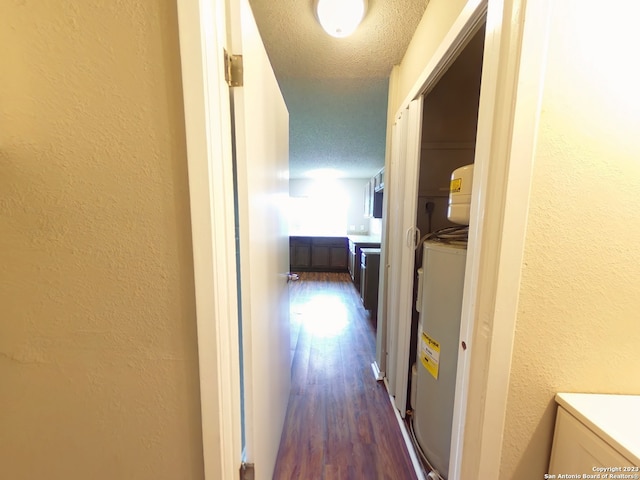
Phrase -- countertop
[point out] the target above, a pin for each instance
(614, 418)
(316, 235)
(353, 238)
(364, 238)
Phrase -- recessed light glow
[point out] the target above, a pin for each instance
(340, 18)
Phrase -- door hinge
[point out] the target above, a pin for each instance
(233, 69)
(247, 471)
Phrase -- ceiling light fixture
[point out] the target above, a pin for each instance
(340, 18)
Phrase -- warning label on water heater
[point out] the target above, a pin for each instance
(430, 354)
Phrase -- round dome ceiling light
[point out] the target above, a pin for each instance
(340, 18)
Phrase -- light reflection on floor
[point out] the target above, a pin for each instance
(324, 316)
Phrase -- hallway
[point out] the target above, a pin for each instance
(339, 423)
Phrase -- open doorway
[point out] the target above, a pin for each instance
(449, 127)
(444, 138)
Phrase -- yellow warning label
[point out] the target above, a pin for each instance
(430, 354)
(456, 185)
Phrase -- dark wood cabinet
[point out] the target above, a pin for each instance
(320, 254)
(355, 249)
(369, 275)
(352, 260)
(376, 210)
(299, 253)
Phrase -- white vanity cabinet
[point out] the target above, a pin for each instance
(596, 435)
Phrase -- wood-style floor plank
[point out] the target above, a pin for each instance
(340, 424)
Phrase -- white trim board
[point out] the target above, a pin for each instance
(202, 27)
(383, 285)
(454, 41)
(415, 461)
(509, 141)
(377, 374)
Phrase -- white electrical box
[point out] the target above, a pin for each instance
(460, 195)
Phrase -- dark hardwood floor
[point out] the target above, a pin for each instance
(340, 423)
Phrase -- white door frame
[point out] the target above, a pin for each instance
(202, 32)
(513, 66)
(507, 128)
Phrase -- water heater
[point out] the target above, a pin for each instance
(460, 195)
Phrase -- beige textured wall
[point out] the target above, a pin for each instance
(578, 328)
(436, 22)
(98, 358)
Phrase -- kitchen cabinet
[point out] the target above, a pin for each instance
(596, 431)
(368, 199)
(329, 253)
(299, 253)
(352, 260)
(356, 244)
(369, 274)
(378, 181)
(376, 210)
(373, 191)
(320, 254)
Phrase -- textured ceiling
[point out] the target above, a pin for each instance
(336, 88)
(337, 124)
(298, 47)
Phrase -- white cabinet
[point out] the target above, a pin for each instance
(596, 434)
(368, 199)
(373, 191)
(378, 181)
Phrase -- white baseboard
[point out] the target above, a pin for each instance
(407, 440)
(377, 374)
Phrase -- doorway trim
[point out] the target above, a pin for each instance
(521, 32)
(202, 33)
(462, 30)
(470, 20)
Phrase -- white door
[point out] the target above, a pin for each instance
(237, 145)
(395, 177)
(402, 249)
(261, 126)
